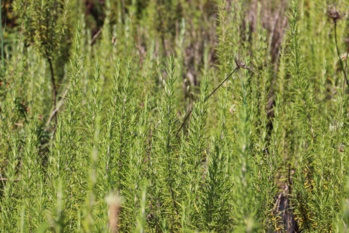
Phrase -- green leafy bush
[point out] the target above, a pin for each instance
(190, 116)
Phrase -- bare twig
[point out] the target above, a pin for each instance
(59, 105)
(185, 119)
(207, 97)
(53, 83)
(94, 38)
(239, 65)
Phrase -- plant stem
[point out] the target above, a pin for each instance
(207, 97)
(1, 37)
(338, 54)
(54, 89)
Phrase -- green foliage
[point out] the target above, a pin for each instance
(143, 108)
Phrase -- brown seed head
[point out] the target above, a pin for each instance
(240, 64)
(333, 14)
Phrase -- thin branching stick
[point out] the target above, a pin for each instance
(238, 66)
(53, 84)
(59, 105)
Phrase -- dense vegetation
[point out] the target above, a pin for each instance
(194, 116)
